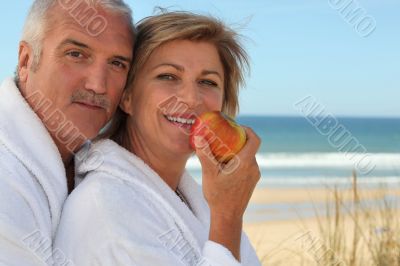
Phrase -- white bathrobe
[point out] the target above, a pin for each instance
(123, 213)
(32, 183)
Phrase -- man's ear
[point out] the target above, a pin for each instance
(126, 102)
(25, 61)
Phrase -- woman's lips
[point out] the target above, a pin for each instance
(183, 126)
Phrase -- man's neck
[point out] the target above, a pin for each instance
(68, 160)
(70, 171)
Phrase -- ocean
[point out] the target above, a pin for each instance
(297, 152)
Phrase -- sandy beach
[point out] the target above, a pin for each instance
(295, 238)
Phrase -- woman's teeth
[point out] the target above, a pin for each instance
(180, 120)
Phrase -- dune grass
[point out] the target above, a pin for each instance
(360, 233)
(349, 232)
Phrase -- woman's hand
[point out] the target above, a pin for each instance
(228, 189)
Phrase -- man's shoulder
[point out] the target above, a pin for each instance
(10, 165)
(21, 199)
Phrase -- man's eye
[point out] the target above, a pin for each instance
(75, 54)
(166, 77)
(119, 64)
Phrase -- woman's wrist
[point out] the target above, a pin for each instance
(227, 230)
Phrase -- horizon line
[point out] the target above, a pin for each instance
(338, 116)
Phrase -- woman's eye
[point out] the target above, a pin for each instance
(166, 77)
(209, 83)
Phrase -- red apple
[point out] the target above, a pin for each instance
(225, 137)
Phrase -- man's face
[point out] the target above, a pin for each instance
(82, 76)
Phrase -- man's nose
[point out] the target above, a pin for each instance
(96, 80)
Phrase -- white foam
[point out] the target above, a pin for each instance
(305, 181)
(390, 161)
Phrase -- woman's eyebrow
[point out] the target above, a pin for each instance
(177, 67)
(211, 72)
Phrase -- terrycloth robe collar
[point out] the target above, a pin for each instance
(108, 157)
(25, 136)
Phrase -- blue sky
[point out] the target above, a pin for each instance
(297, 48)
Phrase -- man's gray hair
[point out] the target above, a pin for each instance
(36, 23)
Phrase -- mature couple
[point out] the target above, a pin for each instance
(130, 200)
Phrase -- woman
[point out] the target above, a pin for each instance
(137, 205)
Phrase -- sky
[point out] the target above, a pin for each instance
(297, 48)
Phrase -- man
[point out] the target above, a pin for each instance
(73, 64)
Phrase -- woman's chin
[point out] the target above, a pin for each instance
(182, 151)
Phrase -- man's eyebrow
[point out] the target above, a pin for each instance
(82, 45)
(123, 58)
(73, 42)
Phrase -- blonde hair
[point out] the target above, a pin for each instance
(154, 31)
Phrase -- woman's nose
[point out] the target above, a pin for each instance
(190, 95)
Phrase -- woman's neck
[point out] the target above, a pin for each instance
(168, 167)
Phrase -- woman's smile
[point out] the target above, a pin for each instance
(183, 122)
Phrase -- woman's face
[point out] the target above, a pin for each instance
(180, 80)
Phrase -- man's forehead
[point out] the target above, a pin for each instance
(64, 26)
(91, 19)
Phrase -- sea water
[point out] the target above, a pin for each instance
(295, 153)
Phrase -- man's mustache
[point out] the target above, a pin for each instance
(91, 98)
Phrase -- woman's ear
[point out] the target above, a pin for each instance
(126, 102)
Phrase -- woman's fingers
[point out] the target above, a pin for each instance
(252, 144)
(209, 164)
(245, 160)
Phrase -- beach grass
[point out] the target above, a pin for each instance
(371, 236)
(348, 231)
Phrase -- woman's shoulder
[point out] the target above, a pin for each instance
(105, 214)
(98, 155)
(119, 204)
(108, 157)
(106, 191)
